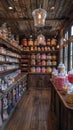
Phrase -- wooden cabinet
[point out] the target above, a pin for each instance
(38, 80)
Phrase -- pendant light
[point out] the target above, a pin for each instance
(39, 16)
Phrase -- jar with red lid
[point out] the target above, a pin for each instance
(24, 42)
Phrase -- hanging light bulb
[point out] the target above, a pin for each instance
(39, 16)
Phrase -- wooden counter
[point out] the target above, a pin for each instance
(63, 111)
(39, 80)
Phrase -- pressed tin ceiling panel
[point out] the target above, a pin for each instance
(20, 17)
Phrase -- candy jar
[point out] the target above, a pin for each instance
(48, 57)
(48, 42)
(38, 56)
(48, 62)
(70, 76)
(0, 115)
(43, 62)
(5, 107)
(24, 42)
(10, 105)
(38, 69)
(69, 95)
(35, 43)
(33, 56)
(61, 67)
(14, 93)
(17, 95)
(43, 57)
(54, 74)
(53, 41)
(33, 62)
(48, 70)
(32, 69)
(60, 81)
(43, 69)
(20, 90)
(30, 42)
(65, 87)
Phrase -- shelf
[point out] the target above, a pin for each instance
(36, 73)
(40, 45)
(10, 56)
(42, 65)
(25, 61)
(17, 80)
(40, 51)
(7, 62)
(8, 45)
(36, 59)
(24, 65)
(7, 71)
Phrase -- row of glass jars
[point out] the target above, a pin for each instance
(3, 58)
(43, 62)
(43, 56)
(8, 101)
(41, 69)
(39, 48)
(30, 42)
(4, 51)
(5, 67)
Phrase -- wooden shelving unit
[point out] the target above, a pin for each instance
(26, 63)
(10, 62)
(7, 44)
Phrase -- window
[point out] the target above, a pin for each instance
(66, 52)
(71, 50)
(61, 51)
(72, 30)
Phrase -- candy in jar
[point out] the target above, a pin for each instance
(5, 106)
(43, 69)
(0, 115)
(70, 76)
(38, 69)
(60, 81)
(61, 67)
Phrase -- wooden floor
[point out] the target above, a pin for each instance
(32, 112)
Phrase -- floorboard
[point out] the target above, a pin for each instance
(32, 112)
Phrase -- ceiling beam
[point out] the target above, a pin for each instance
(25, 19)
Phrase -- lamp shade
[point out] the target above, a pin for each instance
(39, 16)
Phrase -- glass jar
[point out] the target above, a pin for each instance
(61, 67)
(70, 76)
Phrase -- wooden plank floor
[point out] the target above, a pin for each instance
(32, 112)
